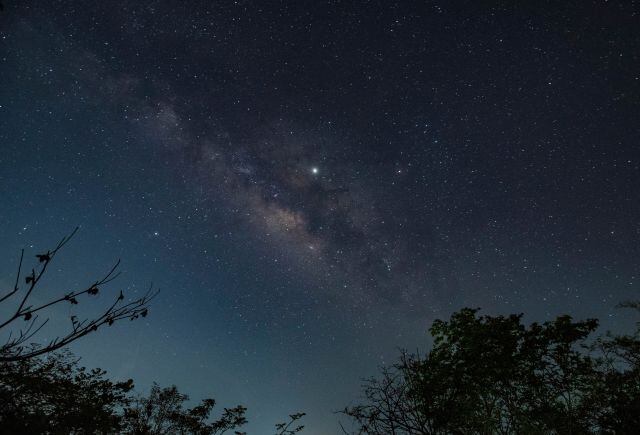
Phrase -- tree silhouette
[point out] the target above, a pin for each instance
(162, 412)
(618, 393)
(18, 346)
(54, 394)
(494, 375)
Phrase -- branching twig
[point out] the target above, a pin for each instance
(286, 429)
(14, 348)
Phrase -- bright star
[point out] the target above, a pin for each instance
(315, 170)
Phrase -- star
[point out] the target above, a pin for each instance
(315, 170)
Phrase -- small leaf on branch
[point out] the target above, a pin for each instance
(27, 316)
(93, 290)
(44, 257)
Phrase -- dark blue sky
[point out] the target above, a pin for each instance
(312, 183)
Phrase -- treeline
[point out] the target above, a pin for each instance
(483, 375)
(55, 394)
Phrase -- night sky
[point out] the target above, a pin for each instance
(312, 183)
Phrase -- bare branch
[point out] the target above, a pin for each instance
(15, 286)
(15, 348)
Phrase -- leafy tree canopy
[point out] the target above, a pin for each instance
(55, 394)
(494, 375)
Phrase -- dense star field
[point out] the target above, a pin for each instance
(311, 184)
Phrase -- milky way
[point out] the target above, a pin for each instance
(312, 183)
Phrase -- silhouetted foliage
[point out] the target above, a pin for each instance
(18, 345)
(163, 412)
(54, 394)
(618, 391)
(494, 375)
(290, 427)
